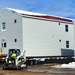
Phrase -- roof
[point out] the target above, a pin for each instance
(39, 15)
(25, 12)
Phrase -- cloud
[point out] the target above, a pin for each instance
(53, 7)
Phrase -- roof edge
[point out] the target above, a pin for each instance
(39, 15)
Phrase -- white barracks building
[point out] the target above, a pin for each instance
(38, 34)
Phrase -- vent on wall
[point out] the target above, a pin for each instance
(15, 40)
(15, 21)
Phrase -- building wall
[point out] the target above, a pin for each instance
(46, 38)
(74, 36)
(13, 34)
(37, 36)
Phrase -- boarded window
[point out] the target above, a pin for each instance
(67, 44)
(66, 28)
(3, 45)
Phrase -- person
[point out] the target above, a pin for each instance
(13, 55)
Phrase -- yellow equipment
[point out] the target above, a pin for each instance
(15, 63)
(0, 51)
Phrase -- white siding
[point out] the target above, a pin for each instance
(74, 37)
(38, 37)
(41, 37)
(13, 30)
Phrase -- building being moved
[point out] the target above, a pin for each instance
(39, 34)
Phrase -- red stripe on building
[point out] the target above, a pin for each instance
(50, 17)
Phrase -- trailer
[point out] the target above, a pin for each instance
(43, 36)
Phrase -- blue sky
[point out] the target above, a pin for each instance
(63, 8)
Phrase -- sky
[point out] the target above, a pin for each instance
(62, 8)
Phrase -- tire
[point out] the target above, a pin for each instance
(35, 62)
(31, 63)
(4, 68)
(19, 67)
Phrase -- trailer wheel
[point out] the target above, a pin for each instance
(26, 64)
(35, 62)
(31, 63)
(4, 67)
(19, 67)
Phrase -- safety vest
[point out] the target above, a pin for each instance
(13, 55)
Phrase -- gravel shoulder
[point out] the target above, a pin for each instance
(26, 72)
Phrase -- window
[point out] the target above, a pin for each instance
(3, 45)
(3, 26)
(66, 28)
(67, 44)
(15, 21)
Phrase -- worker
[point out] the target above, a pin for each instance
(13, 55)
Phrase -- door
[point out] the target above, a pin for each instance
(3, 47)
